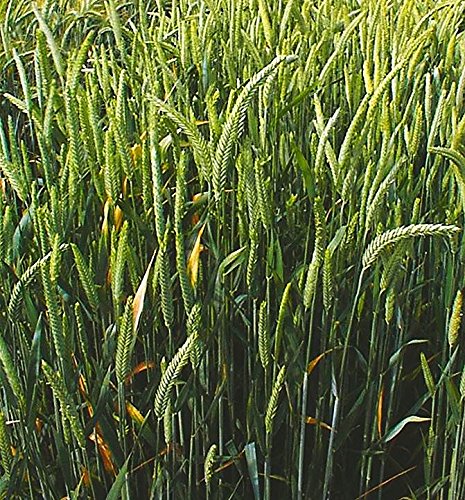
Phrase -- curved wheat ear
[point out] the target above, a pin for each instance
(67, 406)
(340, 45)
(125, 343)
(455, 320)
(209, 462)
(234, 125)
(85, 276)
(26, 278)
(171, 374)
(263, 336)
(77, 62)
(394, 236)
(56, 55)
(11, 372)
(273, 403)
(200, 146)
(458, 164)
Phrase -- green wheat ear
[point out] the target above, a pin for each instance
(455, 320)
(67, 406)
(193, 329)
(85, 275)
(273, 402)
(427, 375)
(125, 343)
(5, 446)
(264, 341)
(392, 237)
(172, 372)
(11, 372)
(209, 463)
(234, 124)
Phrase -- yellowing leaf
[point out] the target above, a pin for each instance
(138, 303)
(136, 152)
(134, 413)
(193, 261)
(106, 210)
(379, 412)
(399, 427)
(118, 217)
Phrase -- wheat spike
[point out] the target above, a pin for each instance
(11, 372)
(5, 446)
(394, 236)
(273, 402)
(234, 124)
(209, 463)
(25, 279)
(263, 336)
(119, 264)
(428, 376)
(85, 275)
(172, 372)
(193, 328)
(200, 146)
(67, 405)
(328, 280)
(125, 343)
(455, 320)
(280, 322)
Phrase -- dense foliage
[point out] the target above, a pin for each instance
(230, 246)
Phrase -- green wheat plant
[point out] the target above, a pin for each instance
(231, 249)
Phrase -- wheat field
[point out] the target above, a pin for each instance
(231, 249)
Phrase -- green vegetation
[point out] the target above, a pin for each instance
(231, 249)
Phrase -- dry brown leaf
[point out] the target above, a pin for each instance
(315, 421)
(312, 365)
